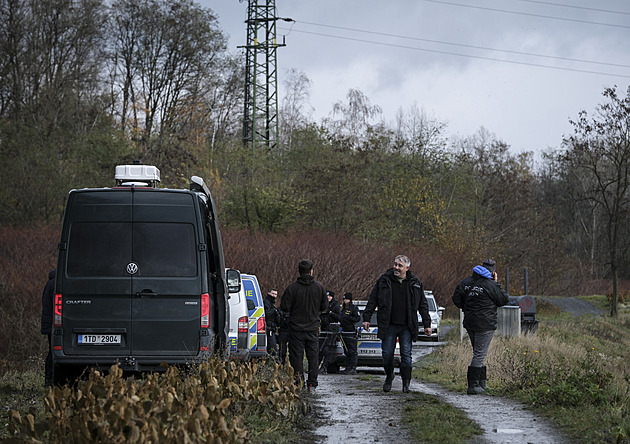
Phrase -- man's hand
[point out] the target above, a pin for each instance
(428, 331)
(366, 325)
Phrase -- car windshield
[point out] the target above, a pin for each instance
(432, 306)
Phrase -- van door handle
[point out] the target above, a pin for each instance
(146, 294)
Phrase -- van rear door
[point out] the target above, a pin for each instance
(95, 251)
(166, 288)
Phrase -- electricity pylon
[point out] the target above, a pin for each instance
(260, 118)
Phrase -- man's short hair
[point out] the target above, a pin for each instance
(403, 258)
(305, 266)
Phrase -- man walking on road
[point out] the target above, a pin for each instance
(304, 300)
(479, 296)
(399, 296)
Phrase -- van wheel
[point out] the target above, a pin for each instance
(63, 375)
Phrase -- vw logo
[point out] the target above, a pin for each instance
(132, 268)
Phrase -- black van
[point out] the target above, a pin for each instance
(140, 277)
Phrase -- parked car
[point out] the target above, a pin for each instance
(247, 317)
(436, 317)
(369, 346)
(140, 277)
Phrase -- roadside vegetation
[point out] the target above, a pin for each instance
(574, 371)
(218, 401)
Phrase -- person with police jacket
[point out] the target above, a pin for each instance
(329, 330)
(399, 296)
(478, 296)
(348, 318)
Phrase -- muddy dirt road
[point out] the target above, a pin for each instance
(354, 409)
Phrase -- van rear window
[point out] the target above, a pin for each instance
(165, 249)
(105, 249)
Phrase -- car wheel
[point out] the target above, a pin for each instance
(333, 368)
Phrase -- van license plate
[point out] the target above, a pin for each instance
(99, 339)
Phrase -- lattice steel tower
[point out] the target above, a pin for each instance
(260, 119)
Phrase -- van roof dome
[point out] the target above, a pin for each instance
(140, 175)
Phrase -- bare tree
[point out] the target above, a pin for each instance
(598, 156)
(355, 118)
(161, 51)
(295, 111)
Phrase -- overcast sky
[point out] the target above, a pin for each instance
(519, 68)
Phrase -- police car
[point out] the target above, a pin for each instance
(248, 337)
(436, 317)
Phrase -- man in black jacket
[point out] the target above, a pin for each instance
(479, 296)
(304, 300)
(272, 321)
(348, 318)
(399, 296)
(48, 300)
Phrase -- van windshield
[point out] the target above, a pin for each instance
(105, 249)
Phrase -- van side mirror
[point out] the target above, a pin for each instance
(251, 305)
(233, 281)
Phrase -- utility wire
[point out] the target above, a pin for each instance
(618, 65)
(527, 14)
(575, 7)
(463, 55)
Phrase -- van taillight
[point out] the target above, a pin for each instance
(205, 310)
(243, 324)
(57, 311)
(260, 325)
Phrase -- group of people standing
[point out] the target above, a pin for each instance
(397, 297)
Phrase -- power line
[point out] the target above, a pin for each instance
(527, 14)
(463, 55)
(617, 65)
(585, 8)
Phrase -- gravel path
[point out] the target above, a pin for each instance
(351, 409)
(575, 306)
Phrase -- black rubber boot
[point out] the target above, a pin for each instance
(483, 379)
(389, 378)
(474, 374)
(405, 374)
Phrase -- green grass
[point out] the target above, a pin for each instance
(431, 420)
(23, 392)
(574, 371)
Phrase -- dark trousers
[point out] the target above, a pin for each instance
(350, 348)
(48, 367)
(480, 341)
(283, 345)
(299, 343)
(272, 347)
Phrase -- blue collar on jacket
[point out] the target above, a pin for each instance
(482, 271)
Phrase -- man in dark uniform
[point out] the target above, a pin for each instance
(272, 321)
(304, 300)
(48, 300)
(399, 296)
(348, 318)
(479, 296)
(329, 330)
